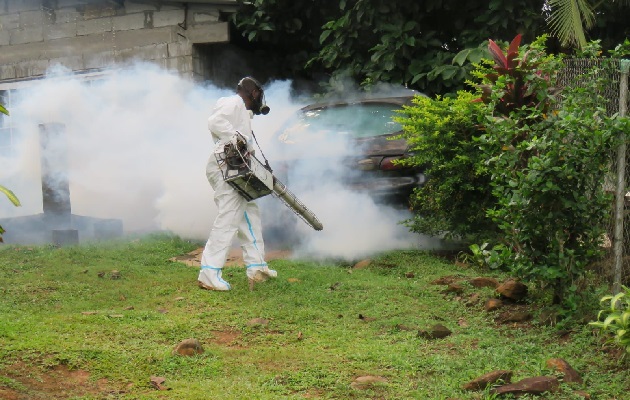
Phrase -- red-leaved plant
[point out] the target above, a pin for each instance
(515, 76)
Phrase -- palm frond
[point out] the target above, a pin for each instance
(568, 20)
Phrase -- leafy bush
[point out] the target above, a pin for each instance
(615, 318)
(520, 164)
(547, 153)
(457, 194)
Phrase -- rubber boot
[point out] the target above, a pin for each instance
(210, 279)
(259, 273)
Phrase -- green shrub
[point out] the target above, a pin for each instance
(548, 152)
(455, 198)
(519, 165)
(614, 318)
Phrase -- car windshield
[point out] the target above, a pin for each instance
(349, 120)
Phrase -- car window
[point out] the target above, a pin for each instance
(349, 120)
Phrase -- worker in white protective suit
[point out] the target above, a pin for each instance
(236, 215)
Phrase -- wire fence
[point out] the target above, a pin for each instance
(615, 266)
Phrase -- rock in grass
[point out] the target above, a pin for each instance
(482, 382)
(482, 281)
(188, 347)
(437, 331)
(362, 264)
(513, 290)
(535, 385)
(493, 304)
(563, 367)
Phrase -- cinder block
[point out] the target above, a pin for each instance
(5, 38)
(138, 7)
(208, 33)
(98, 11)
(168, 18)
(29, 19)
(144, 53)
(9, 21)
(73, 63)
(23, 5)
(183, 48)
(29, 35)
(143, 37)
(202, 17)
(179, 64)
(58, 31)
(94, 26)
(128, 22)
(99, 60)
(7, 72)
(30, 69)
(67, 14)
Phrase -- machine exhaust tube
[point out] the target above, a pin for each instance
(252, 179)
(284, 194)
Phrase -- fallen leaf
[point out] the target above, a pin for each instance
(88, 312)
(300, 336)
(179, 298)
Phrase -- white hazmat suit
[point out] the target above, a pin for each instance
(236, 215)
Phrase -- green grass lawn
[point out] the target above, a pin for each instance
(71, 328)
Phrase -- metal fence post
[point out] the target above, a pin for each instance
(620, 191)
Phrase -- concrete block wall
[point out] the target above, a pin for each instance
(100, 34)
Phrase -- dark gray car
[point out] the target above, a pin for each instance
(365, 130)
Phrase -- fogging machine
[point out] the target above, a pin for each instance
(253, 179)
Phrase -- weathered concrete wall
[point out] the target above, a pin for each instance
(100, 34)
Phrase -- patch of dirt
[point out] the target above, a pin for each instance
(234, 258)
(227, 338)
(32, 382)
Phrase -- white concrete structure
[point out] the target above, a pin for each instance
(92, 35)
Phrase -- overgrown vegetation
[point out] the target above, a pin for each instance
(8, 193)
(427, 46)
(614, 318)
(109, 315)
(544, 154)
(455, 199)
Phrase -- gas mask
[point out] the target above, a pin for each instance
(259, 106)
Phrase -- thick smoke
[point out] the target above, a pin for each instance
(137, 145)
